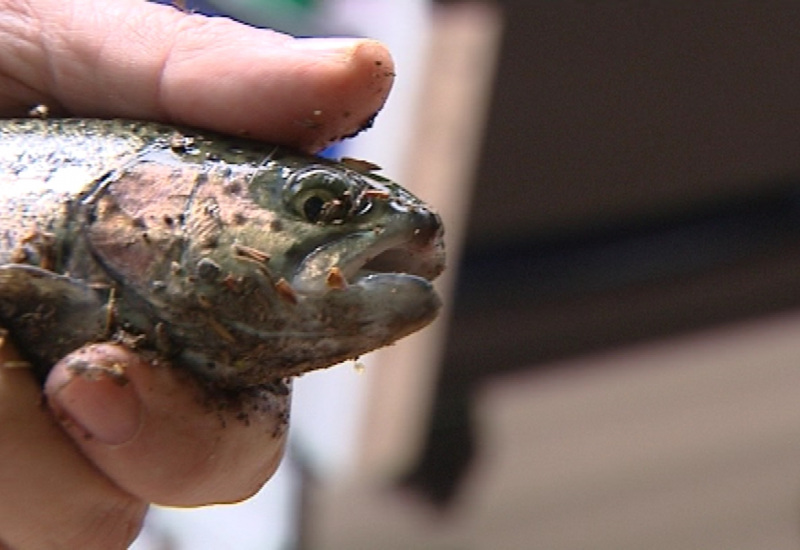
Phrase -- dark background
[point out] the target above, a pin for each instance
(640, 177)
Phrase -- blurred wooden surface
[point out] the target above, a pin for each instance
(453, 100)
(692, 442)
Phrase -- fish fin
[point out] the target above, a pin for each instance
(49, 315)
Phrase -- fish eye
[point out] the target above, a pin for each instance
(319, 194)
(314, 204)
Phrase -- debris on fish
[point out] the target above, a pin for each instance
(244, 262)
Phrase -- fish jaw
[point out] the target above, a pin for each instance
(353, 291)
(325, 329)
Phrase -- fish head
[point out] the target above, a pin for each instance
(271, 268)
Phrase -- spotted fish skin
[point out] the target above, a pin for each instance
(244, 262)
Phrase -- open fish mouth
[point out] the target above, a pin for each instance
(373, 229)
(415, 251)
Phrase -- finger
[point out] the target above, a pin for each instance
(139, 60)
(152, 430)
(52, 497)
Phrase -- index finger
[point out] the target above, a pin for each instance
(134, 59)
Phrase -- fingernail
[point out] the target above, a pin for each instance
(97, 401)
(338, 48)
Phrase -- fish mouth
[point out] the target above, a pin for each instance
(403, 257)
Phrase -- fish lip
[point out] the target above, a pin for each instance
(353, 258)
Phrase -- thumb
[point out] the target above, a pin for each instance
(160, 436)
(50, 495)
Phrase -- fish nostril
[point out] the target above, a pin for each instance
(429, 229)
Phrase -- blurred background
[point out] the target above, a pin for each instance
(617, 365)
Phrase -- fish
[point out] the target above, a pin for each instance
(243, 262)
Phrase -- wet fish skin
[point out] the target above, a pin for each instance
(245, 262)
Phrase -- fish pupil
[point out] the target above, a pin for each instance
(312, 208)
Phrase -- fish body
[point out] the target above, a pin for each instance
(244, 262)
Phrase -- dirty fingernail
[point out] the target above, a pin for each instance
(96, 401)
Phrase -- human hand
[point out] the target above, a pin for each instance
(79, 471)
(131, 59)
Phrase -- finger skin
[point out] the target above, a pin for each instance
(133, 59)
(189, 448)
(52, 496)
